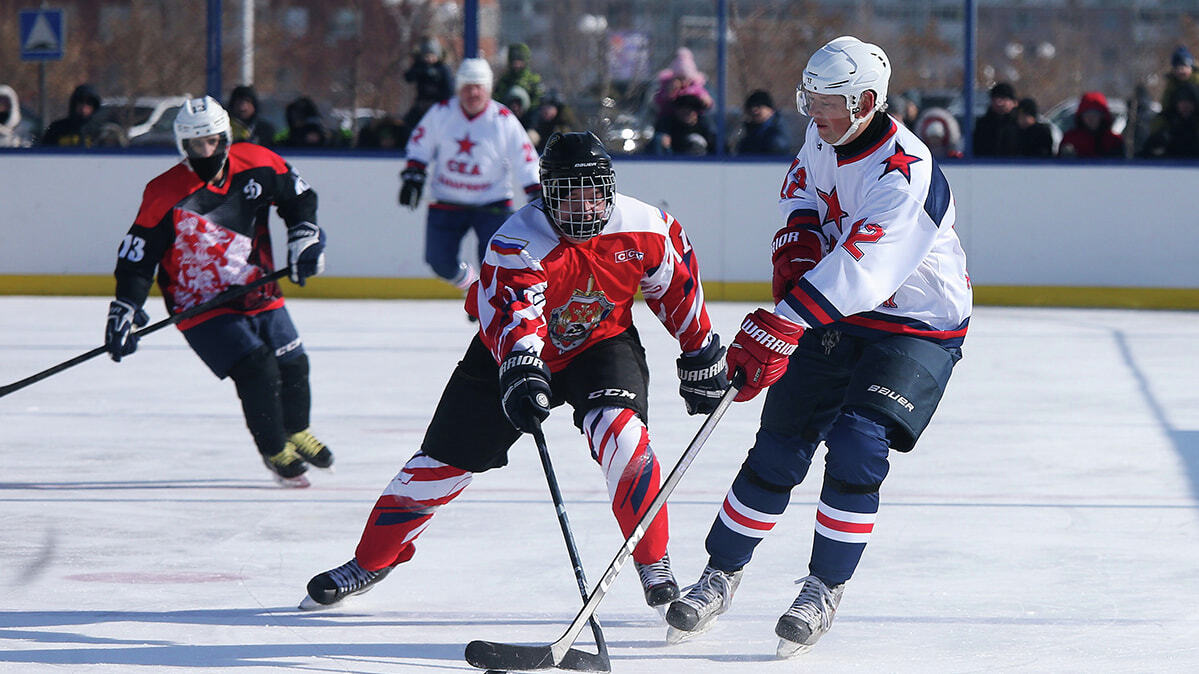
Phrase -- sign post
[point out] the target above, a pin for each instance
(43, 34)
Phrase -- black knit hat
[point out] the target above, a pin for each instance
(1003, 90)
(759, 97)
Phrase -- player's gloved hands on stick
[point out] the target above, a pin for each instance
(761, 350)
(413, 185)
(305, 251)
(525, 390)
(794, 251)
(119, 336)
(703, 377)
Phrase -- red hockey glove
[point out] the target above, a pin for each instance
(761, 350)
(794, 252)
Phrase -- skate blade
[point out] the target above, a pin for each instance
(789, 649)
(297, 482)
(675, 635)
(310, 604)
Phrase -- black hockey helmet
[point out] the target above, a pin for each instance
(578, 185)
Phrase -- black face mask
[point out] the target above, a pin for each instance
(208, 167)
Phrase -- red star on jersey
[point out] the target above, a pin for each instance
(900, 161)
(465, 144)
(832, 211)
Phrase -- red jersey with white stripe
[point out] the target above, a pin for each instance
(538, 292)
(474, 157)
(893, 263)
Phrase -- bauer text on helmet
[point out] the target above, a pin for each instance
(578, 185)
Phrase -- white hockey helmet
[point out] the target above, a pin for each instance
(199, 117)
(474, 71)
(846, 67)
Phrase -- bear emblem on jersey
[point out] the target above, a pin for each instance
(571, 324)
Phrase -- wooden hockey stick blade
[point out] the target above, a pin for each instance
(515, 657)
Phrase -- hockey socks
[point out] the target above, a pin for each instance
(257, 380)
(404, 509)
(750, 510)
(620, 445)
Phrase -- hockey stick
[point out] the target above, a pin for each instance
(502, 656)
(230, 293)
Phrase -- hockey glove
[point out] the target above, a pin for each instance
(119, 336)
(414, 184)
(703, 377)
(795, 250)
(525, 390)
(305, 251)
(761, 350)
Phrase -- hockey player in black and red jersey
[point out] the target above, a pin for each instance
(202, 227)
(872, 302)
(554, 305)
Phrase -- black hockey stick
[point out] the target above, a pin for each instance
(230, 293)
(501, 656)
(572, 658)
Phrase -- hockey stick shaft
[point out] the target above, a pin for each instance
(572, 549)
(560, 647)
(231, 293)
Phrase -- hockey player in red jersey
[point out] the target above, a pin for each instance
(202, 228)
(872, 302)
(554, 307)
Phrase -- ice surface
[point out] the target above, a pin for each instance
(1045, 523)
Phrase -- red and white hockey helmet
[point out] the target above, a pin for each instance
(847, 67)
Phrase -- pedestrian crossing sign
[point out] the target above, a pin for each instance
(42, 34)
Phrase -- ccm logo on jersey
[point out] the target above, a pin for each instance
(611, 393)
(893, 395)
(630, 254)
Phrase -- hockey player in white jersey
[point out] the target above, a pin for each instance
(872, 302)
(475, 147)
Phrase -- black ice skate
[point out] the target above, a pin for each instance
(711, 595)
(287, 467)
(312, 450)
(328, 588)
(657, 580)
(810, 616)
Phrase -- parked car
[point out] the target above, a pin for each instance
(147, 121)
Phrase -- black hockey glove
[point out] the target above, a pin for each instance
(703, 377)
(414, 183)
(305, 251)
(123, 317)
(525, 390)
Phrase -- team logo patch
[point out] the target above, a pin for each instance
(252, 190)
(572, 323)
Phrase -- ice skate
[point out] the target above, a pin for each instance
(313, 451)
(810, 616)
(697, 610)
(657, 580)
(287, 467)
(329, 588)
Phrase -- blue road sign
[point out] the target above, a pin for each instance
(42, 34)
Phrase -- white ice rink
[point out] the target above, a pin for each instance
(1047, 522)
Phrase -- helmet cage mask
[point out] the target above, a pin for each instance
(580, 205)
(200, 118)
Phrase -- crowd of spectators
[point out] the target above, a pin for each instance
(684, 116)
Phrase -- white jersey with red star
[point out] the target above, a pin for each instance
(540, 293)
(474, 158)
(893, 263)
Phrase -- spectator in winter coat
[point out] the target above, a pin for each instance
(305, 128)
(996, 133)
(1035, 140)
(518, 74)
(74, 129)
(1182, 71)
(682, 78)
(10, 118)
(246, 123)
(941, 132)
(433, 79)
(553, 115)
(687, 131)
(762, 132)
(1092, 135)
(1178, 126)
